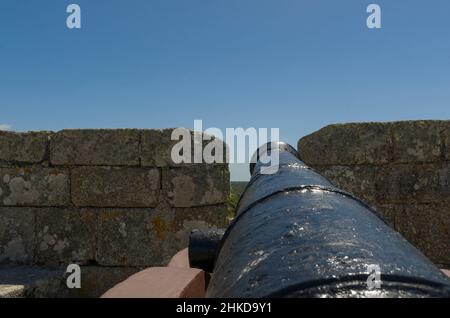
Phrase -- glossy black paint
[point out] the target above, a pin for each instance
(296, 235)
(203, 246)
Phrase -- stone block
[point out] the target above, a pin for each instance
(16, 235)
(34, 186)
(65, 236)
(160, 233)
(358, 180)
(115, 186)
(126, 237)
(446, 139)
(196, 185)
(347, 144)
(417, 141)
(30, 147)
(201, 218)
(157, 147)
(172, 227)
(389, 212)
(427, 226)
(426, 183)
(11, 291)
(101, 147)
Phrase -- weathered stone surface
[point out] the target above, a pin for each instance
(409, 183)
(95, 147)
(172, 227)
(389, 212)
(157, 147)
(358, 180)
(115, 186)
(196, 185)
(446, 139)
(202, 218)
(126, 237)
(393, 184)
(28, 147)
(38, 282)
(16, 235)
(417, 141)
(347, 144)
(35, 281)
(34, 186)
(160, 233)
(11, 291)
(121, 221)
(65, 236)
(427, 226)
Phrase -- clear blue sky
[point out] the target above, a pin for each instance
(297, 65)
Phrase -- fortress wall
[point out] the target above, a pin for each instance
(106, 199)
(402, 169)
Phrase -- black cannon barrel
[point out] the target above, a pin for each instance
(297, 235)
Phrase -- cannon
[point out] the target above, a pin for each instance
(295, 234)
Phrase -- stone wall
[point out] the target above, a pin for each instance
(105, 199)
(402, 169)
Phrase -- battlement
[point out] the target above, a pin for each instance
(400, 168)
(107, 199)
